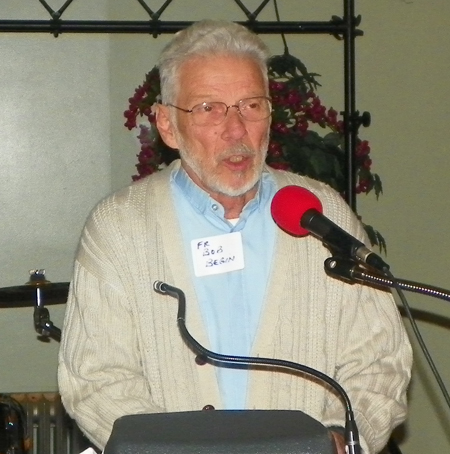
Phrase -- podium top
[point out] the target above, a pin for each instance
(220, 432)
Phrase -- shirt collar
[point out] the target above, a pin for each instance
(205, 204)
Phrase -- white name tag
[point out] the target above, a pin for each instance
(217, 254)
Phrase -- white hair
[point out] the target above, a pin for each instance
(205, 38)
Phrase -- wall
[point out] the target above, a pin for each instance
(403, 67)
(55, 141)
(62, 125)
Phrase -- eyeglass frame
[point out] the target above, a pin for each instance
(267, 98)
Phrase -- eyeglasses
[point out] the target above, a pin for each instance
(214, 113)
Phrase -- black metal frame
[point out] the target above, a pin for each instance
(344, 28)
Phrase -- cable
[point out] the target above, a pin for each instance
(419, 338)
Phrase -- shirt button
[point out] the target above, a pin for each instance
(214, 206)
(208, 407)
(200, 360)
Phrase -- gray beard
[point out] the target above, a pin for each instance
(213, 182)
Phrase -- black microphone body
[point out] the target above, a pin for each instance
(339, 241)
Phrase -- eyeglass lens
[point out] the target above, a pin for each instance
(213, 113)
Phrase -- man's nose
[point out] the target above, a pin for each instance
(234, 124)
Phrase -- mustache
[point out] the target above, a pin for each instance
(240, 149)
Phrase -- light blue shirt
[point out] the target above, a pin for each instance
(230, 303)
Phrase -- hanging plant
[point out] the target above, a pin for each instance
(305, 138)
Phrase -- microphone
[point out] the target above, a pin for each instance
(298, 212)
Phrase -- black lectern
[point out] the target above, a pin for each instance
(220, 432)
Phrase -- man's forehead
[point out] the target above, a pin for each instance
(204, 78)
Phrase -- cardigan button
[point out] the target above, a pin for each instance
(208, 407)
(200, 360)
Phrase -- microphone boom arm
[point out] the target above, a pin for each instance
(350, 271)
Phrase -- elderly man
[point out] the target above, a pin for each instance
(121, 351)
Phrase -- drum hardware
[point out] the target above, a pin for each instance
(26, 295)
(13, 427)
(37, 292)
(44, 326)
(42, 323)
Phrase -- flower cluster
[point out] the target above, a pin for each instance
(297, 140)
(306, 137)
(154, 152)
(295, 144)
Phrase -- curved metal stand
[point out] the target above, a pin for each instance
(351, 431)
(351, 271)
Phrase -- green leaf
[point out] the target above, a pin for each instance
(287, 65)
(319, 155)
(375, 238)
(377, 185)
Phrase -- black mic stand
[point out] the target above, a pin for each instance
(351, 431)
(351, 271)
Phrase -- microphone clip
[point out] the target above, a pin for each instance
(344, 268)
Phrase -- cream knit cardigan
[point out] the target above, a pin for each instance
(121, 351)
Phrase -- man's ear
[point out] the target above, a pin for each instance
(165, 126)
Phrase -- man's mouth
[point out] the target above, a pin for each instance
(236, 158)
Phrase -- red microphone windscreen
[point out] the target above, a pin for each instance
(288, 206)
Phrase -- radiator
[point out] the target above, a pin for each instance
(50, 429)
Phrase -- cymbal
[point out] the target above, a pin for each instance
(26, 295)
